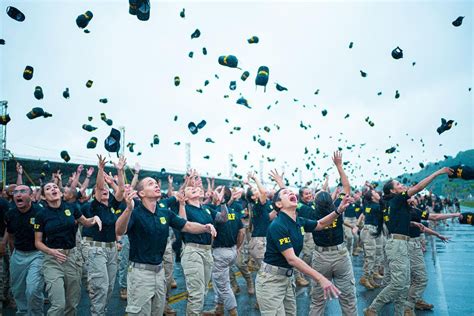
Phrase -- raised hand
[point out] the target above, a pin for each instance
(80, 168)
(129, 196)
(90, 171)
(102, 162)
(121, 163)
(170, 179)
(337, 158)
(446, 170)
(181, 198)
(276, 176)
(251, 175)
(345, 203)
(19, 168)
(136, 167)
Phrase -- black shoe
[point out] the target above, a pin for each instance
(143, 13)
(133, 7)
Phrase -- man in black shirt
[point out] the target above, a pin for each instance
(26, 261)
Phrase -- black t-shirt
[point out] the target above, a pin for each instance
(108, 214)
(332, 235)
(4, 207)
(350, 211)
(203, 215)
(227, 232)
(148, 233)
(21, 226)
(373, 214)
(261, 218)
(438, 206)
(398, 213)
(285, 233)
(306, 210)
(417, 215)
(58, 225)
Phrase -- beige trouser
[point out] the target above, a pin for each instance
(397, 290)
(101, 273)
(146, 291)
(63, 283)
(168, 265)
(369, 244)
(307, 253)
(224, 258)
(335, 265)
(257, 247)
(242, 261)
(351, 239)
(419, 278)
(197, 264)
(275, 294)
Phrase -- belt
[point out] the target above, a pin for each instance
(91, 242)
(331, 248)
(149, 267)
(192, 244)
(416, 238)
(399, 237)
(369, 226)
(276, 270)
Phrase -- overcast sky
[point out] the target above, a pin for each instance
(306, 47)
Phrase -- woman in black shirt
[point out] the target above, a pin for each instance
(55, 235)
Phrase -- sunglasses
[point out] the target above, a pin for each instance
(21, 191)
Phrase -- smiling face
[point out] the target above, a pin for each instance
(51, 192)
(306, 195)
(22, 196)
(149, 188)
(397, 187)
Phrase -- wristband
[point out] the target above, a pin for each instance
(338, 214)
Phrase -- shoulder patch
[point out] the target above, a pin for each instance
(67, 212)
(163, 220)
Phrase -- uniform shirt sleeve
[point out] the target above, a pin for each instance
(309, 225)
(176, 221)
(39, 221)
(8, 221)
(425, 215)
(77, 211)
(280, 237)
(399, 200)
(171, 202)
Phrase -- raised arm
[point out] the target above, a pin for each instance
(439, 217)
(19, 174)
(326, 184)
(99, 181)
(86, 182)
(170, 186)
(261, 189)
(337, 159)
(120, 166)
(424, 183)
(75, 178)
(122, 222)
(136, 170)
(221, 217)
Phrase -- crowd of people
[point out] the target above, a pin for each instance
(60, 237)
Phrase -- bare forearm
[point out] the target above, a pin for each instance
(240, 238)
(326, 220)
(221, 217)
(122, 222)
(439, 217)
(194, 228)
(303, 267)
(19, 179)
(344, 180)
(121, 185)
(422, 184)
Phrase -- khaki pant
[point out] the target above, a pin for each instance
(275, 294)
(419, 279)
(197, 264)
(307, 253)
(168, 265)
(224, 258)
(146, 292)
(242, 261)
(101, 273)
(27, 282)
(123, 262)
(63, 283)
(379, 254)
(351, 240)
(397, 290)
(335, 265)
(369, 244)
(257, 247)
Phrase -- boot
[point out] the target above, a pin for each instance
(256, 306)
(300, 281)
(218, 311)
(233, 312)
(369, 312)
(423, 306)
(169, 311)
(235, 287)
(365, 282)
(250, 286)
(377, 276)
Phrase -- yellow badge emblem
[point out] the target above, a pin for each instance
(163, 220)
(67, 212)
(302, 230)
(162, 205)
(32, 220)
